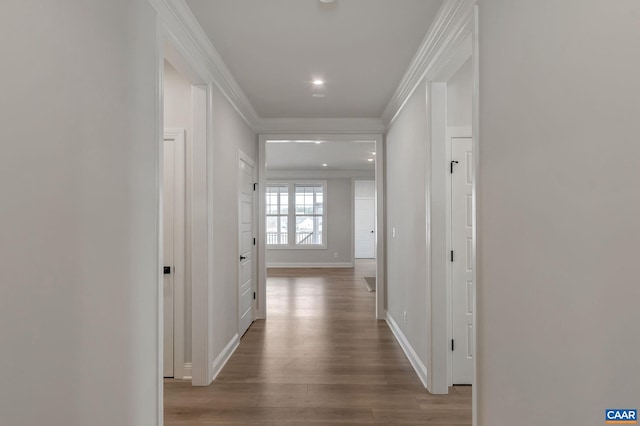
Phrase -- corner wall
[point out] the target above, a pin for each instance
(230, 134)
(406, 174)
(559, 211)
(79, 214)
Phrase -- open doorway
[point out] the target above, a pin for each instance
(307, 205)
(184, 138)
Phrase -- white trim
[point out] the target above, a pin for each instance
(475, 140)
(452, 132)
(320, 125)
(450, 27)
(159, 153)
(320, 174)
(380, 234)
(414, 359)
(223, 357)
(179, 261)
(310, 265)
(187, 371)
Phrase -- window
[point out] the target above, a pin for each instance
(309, 213)
(302, 226)
(277, 215)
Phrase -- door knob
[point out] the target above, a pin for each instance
(167, 270)
(372, 232)
(242, 257)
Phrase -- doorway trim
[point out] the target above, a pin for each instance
(452, 132)
(180, 370)
(261, 311)
(188, 61)
(458, 50)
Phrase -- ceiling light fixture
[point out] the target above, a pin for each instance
(324, 164)
(318, 142)
(318, 82)
(373, 153)
(369, 159)
(327, 1)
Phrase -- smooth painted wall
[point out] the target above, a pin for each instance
(78, 217)
(559, 211)
(406, 174)
(459, 96)
(178, 115)
(230, 134)
(339, 230)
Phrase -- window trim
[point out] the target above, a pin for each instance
(291, 236)
(266, 215)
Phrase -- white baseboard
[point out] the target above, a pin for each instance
(414, 359)
(188, 367)
(311, 265)
(218, 364)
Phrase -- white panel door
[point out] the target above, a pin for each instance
(246, 245)
(462, 272)
(364, 228)
(168, 195)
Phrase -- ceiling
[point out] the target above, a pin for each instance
(275, 48)
(308, 156)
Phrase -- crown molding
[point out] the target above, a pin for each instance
(452, 25)
(320, 174)
(320, 125)
(185, 33)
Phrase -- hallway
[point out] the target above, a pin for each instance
(320, 358)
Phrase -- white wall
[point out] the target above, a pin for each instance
(559, 212)
(178, 115)
(339, 230)
(230, 133)
(78, 217)
(459, 91)
(406, 212)
(364, 189)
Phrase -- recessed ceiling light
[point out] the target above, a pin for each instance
(318, 82)
(369, 159)
(318, 142)
(327, 1)
(324, 164)
(373, 153)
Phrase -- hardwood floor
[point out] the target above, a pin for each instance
(321, 358)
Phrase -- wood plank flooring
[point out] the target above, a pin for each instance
(321, 358)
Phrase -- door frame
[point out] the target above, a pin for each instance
(462, 46)
(381, 302)
(188, 61)
(452, 132)
(180, 370)
(353, 214)
(244, 157)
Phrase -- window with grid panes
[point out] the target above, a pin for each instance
(277, 211)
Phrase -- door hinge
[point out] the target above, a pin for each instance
(452, 345)
(255, 185)
(452, 255)
(451, 165)
(254, 241)
(254, 295)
